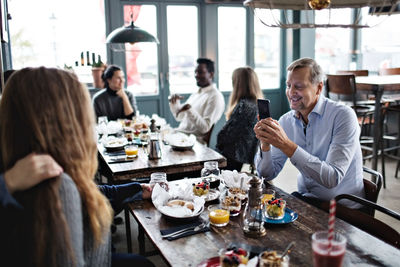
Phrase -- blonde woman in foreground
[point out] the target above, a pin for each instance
(64, 221)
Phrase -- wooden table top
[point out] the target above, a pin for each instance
(384, 82)
(362, 248)
(171, 162)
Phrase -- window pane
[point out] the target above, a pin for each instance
(380, 44)
(267, 52)
(332, 45)
(182, 23)
(231, 43)
(44, 33)
(141, 58)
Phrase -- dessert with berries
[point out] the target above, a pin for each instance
(275, 208)
(233, 204)
(201, 189)
(233, 257)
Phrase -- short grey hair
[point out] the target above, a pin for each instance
(316, 72)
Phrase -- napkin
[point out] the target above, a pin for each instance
(180, 227)
(233, 178)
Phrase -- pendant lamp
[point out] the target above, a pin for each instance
(128, 34)
(313, 6)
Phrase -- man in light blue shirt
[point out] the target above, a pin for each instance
(319, 136)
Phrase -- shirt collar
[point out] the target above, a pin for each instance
(318, 109)
(110, 91)
(205, 89)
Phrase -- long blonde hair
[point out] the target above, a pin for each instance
(46, 110)
(245, 85)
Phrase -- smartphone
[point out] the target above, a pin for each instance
(263, 108)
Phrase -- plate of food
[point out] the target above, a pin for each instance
(176, 203)
(288, 217)
(181, 209)
(180, 141)
(115, 144)
(202, 189)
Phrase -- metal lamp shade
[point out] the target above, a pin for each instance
(130, 34)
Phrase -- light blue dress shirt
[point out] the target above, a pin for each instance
(328, 155)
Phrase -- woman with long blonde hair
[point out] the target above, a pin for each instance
(63, 221)
(236, 140)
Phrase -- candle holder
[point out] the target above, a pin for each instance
(253, 215)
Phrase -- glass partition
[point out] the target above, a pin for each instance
(332, 45)
(380, 44)
(267, 52)
(231, 43)
(183, 48)
(142, 58)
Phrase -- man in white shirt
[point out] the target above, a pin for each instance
(204, 107)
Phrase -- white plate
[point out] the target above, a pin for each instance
(213, 194)
(182, 218)
(115, 144)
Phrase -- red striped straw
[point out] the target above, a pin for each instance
(331, 223)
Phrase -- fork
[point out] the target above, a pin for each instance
(188, 229)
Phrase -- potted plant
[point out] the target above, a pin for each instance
(97, 70)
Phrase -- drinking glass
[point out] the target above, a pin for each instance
(218, 215)
(131, 151)
(321, 256)
(159, 178)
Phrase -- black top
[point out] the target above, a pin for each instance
(237, 139)
(108, 103)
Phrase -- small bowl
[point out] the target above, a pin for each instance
(272, 260)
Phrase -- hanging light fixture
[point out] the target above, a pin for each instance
(128, 34)
(313, 6)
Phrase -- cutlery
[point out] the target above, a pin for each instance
(291, 244)
(188, 229)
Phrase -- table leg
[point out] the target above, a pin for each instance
(128, 230)
(142, 248)
(377, 128)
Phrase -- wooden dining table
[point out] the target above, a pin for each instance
(378, 86)
(172, 162)
(362, 248)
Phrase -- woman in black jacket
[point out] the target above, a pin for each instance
(236, 140)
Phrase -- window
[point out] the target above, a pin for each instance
(231, 43)
(380, 44)
(183, 50)
(45, 33)
(267, 52)
(332, 45)
(141, 58)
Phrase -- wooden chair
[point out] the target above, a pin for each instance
(372, 187)
(355, 72)
(368, 223)
(207, 136)
(393, 108)
(345, 85)
(389, 71)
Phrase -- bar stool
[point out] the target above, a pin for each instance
(391, 141)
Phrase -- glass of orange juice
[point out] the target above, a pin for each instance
(268, 195)
(131, 151)
(218, 216)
